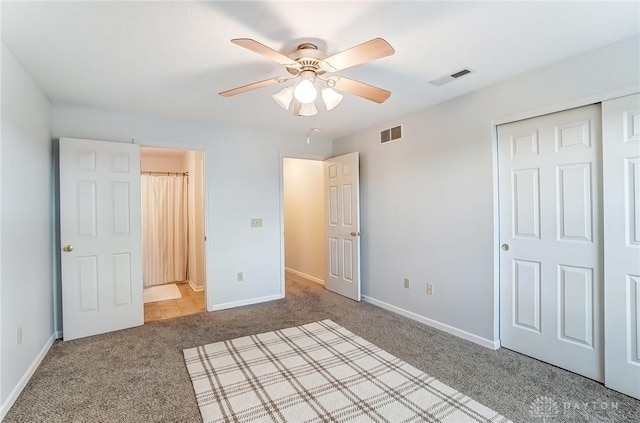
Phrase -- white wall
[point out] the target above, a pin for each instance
(304, 220)
(26, 276)
(242, 179)
(427, 201)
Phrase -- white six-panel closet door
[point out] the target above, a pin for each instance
(551, 239)
(621, 170)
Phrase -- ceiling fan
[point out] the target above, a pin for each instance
(311, 66)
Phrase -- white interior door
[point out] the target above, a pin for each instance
(100, 235)
(621, 170)
(343, 225)
(551, 234)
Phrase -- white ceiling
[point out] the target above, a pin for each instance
(171, 59)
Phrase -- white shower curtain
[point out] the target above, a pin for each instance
(164, 228)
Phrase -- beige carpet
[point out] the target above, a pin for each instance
(161, 293)
(319, 372)
(139, 375)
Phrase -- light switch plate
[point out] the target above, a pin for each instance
(256, 222)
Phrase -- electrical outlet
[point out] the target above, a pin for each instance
(430, 289)
(256, 222)
(406, 283)
(240, 276)
(19, 335)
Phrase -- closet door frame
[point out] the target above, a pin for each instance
(552, 108)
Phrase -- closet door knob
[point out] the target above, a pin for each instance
(67, 248)
(505, 247)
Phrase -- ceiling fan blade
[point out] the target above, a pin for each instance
(296, 107)
(249, 87)
(365, 52)
(265, 51)
(361, 89)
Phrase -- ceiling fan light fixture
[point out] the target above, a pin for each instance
(307, 65)
(283, 97)
(305, 92)
(331, 97)
(308, 109)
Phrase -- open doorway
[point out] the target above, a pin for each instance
(321, 221)
(304, 220)
(173, 233)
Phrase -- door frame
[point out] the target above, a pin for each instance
(527, 114)
(301, 156)
(205, 202)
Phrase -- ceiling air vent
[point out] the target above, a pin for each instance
(391, 134)
(455, 75)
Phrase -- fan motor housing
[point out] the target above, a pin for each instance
(308, 56)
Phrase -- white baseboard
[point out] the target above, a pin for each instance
(487, 343)
(250, 301)
(195, 287)
(304, 275)
(13, 396)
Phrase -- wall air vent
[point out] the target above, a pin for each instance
(391, 134)
(455, 75)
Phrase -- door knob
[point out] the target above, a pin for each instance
(67, 248)
(505, 247)
(354, 233)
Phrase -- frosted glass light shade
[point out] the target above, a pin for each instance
(331, 98)
(283, 97)
(305, 92)
(308, 109)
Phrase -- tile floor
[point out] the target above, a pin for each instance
(191, 302)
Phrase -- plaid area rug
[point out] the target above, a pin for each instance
(319, 372)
